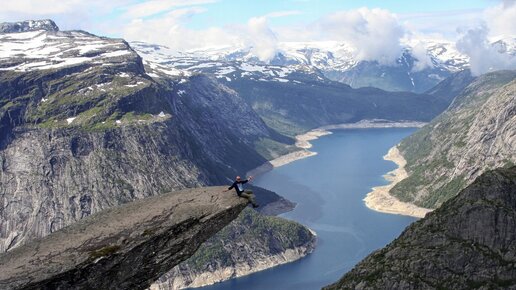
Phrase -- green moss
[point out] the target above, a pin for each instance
(132, 117)
(8, 105)
(49, 123)
(284, 126)
(149, 232)
(105, 251)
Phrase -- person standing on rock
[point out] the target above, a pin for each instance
(238, 185)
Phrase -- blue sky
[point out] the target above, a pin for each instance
(234, 11)
(187, 24)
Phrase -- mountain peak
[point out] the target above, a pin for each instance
(28, 25)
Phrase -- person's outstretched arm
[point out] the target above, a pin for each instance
(232, 186)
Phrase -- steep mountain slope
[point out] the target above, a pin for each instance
(257, 242)
(83, 128)
(291, 107)
(467, 243)
(86, 126)
(452, 86)
(403, 75)
(476, 133)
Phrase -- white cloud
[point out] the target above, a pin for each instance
(170, 30)
(501, 18)
(443, 24)
(261, 38)
(374, 33)
(484, 57)
(41, 7)
(423, 60)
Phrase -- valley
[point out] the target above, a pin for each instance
(90, 124)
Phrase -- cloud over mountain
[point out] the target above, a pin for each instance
(261, 38)
(374, 33)
(484, 56)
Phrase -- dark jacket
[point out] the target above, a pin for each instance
(239, 189)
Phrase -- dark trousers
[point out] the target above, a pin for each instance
(248, 194)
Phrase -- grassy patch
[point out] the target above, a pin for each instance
(105, 251)
(271, 149)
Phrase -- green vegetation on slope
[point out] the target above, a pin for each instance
(270, 149)
(445, 156)
(302, 104)
(262, 235)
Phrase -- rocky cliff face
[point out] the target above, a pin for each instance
(476, 133)
(125, 247)
(84, 128)
(256, 243)
(467, 243)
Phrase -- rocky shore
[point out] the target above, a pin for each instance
(257, 243)
(380, 200)
(238, 270)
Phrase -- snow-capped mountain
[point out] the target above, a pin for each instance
(44, 47)
(423, 63)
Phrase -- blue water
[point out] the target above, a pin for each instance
(328, 189)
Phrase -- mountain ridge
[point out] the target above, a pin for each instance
(28, 25)
(336, 61)
(474, 134)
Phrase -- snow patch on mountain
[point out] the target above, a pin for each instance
(41, 50)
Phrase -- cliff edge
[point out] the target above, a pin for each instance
(126, 247)
(467, 243)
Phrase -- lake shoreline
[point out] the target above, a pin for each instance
(379, 199)
(303, 141)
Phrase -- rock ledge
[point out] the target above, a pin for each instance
(126, 247)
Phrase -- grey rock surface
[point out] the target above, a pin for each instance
(467, 243)
(250, 243)
(126, 247)
(95, 131)
(476, 133)
(28, 25)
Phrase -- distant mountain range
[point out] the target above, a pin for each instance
(334, 60)
(295, 97)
